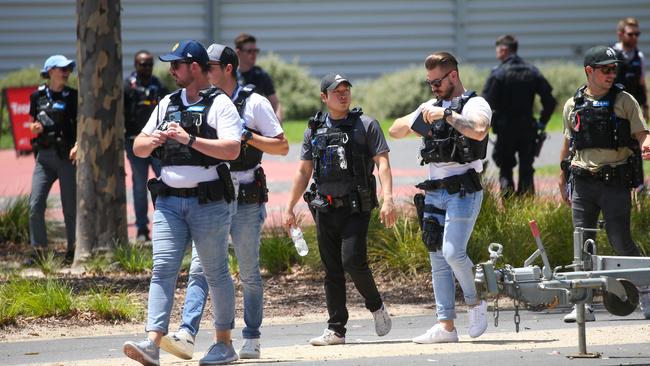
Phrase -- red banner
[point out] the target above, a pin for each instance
(17, 101)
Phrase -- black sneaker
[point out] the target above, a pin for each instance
(69, 257)
(142, 236)
(35, 257)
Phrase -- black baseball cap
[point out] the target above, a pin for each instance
(332, 80)
(223, 55)
(601, 55)
(187, 50)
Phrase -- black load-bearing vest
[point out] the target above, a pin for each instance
(51, 114)
(249, 156)
(594, 123)
(629, 74)
(194, 120)
(445, 144)
(340, 163)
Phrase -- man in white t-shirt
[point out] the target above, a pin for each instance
(193, 131)
(262, 134)
(454, 127)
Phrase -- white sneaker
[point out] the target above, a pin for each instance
(572, 316)
(477, 319)
(250, 349)
(383, 324)
(644, 301)
(179, 344)
(329, 338)
(437, 334)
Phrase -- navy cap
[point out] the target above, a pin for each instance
(56, 61)
(187, 50)
(600, 55)
(331, 81)
(223, 55)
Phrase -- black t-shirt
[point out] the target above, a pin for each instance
(139, 102)
(260, 78)
(65, 100)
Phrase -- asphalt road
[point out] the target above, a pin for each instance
(543, 340)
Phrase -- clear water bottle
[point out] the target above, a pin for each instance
(299, 241)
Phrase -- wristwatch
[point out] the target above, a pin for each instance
(191, 142)
(447, 113)
(246, 135)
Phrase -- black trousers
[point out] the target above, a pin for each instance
(590, 196)
(343, 249)
(522, 143)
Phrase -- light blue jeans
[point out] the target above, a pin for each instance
(245, 230)
(176, 222)
(452, 261)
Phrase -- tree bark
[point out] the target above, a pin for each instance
(101, 191)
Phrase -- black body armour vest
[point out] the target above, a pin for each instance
(249, 157)
(445, 144)
(51, 114)
(595, 125)
(629, 74)
(340, 163)
(194, 120)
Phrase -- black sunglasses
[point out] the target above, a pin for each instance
(145, 64)
(635, 34)
(176, 64)
(437, 82)
(607, 69)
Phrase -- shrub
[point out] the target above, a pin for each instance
(276, 251)
(49, 263)
(112, 307)
(14, 221)
(134, 258)
(297, 91)
(34, 298)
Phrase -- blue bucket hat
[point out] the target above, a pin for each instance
(188, 50)
(56, 61)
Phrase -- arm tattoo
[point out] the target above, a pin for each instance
(473, 127)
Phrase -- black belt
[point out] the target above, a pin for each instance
(469, 182)
(608, 174)
(212, 191)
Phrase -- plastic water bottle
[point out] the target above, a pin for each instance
(299, 241)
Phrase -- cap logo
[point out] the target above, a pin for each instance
(189, 55)
(175, 47)
(338, 77)
(610, 52)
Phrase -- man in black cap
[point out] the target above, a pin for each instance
(510, 90)
(603, 126)
(142, 91)
(340, 149)
(262, 134)
(193, 132)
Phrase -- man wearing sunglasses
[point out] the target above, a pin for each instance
(631, 70)
(603, 125)
(249, 73)
(193, 131)
(262, 134)
(142, 91)
(510, 90)
(454, 127)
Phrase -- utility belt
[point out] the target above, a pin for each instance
(206, 192)
(59, 144)
(255, 191)
(610, 175)
(362, 199)
(468, 182)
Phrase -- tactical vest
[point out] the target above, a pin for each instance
(629, 74)
(194, 120)
(445, 144)
(340, 163)
(595, 125)
(52, 114)
(249, 156)
(142, 103)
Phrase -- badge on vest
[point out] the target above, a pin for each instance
(58, 105)
(196, 108)
(601, 103)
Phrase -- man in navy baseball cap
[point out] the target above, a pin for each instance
(188, 51)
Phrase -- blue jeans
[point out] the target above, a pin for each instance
(245, 231)
(139, 177)
(176, 222)
(452, 261)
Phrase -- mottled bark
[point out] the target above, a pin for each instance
(101, 191)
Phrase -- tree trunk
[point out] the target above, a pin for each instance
(101, 191)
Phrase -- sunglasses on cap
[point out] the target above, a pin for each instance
(437, 82)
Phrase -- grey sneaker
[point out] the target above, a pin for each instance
(383, 324)
(144, 352)
(328, 338)
(572, 316)
(250, 349)
(179, 344)
(219, 354)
